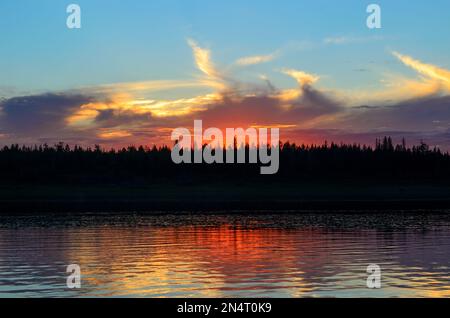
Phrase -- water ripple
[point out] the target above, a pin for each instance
(236, 255)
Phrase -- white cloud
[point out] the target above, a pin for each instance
(257, 59)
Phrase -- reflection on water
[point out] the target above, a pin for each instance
(237, 255)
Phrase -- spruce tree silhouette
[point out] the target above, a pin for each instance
(62, 164)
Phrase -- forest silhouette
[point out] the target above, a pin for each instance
(385, 163)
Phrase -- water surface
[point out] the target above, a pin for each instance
(226, 254)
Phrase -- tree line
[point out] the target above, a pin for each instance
(330, 162)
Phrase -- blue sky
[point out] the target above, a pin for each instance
(142, 40)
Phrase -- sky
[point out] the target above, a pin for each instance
(136, 70)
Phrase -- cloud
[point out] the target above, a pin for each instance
(433, 81)
(203, 60)
(257, 59)
(395, 88)
(213, 77)
(145, 86)
(124, 108)
(428, 114)
(302, 78)
(114, 119)
(336, 40)
(305, 104)
(119, 114)
(428, 70)
(114, 134)
(426, 118)
(7, 92)
(339, 40)
(39, 114)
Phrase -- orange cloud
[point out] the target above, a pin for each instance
(301, 77)
(129, 111)
(114, 134)
(428, 70)
(148, 86)
(203, 59)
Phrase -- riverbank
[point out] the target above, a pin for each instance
(248, 197)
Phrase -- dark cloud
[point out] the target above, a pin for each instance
(110, 118)
(38, 119)
(239, 111)
(420, 115)
(42, 118)
(39, 114)
(314, 103)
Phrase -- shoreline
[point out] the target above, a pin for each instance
(221, 197)
(127, 206)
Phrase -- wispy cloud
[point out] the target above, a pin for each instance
(213, 77)
(338, 40)
(88, 115)
(428, 70)
(118, 113)
(114, 134)
(301, 77)
(396, 87)
(203, 59)
(146, 86)
(257, 59)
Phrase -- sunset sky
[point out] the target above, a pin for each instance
(136, 70)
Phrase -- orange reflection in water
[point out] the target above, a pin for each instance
(236, 261)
